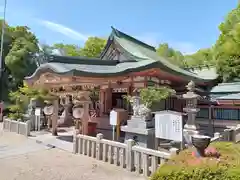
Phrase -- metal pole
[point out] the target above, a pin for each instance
(2, 36)
(113, 133)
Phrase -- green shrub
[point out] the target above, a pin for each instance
(187, 167)
(21, 98)
(204, 173)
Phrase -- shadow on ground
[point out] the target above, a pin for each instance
(68, 138)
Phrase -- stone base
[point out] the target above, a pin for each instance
(187, 134)
(139, 123)
(144, 118)
(142, 137)
(191, 127)
(141, 130)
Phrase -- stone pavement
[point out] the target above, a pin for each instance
(63, 141)
(12, 144)
(22, 158)
(10, 149)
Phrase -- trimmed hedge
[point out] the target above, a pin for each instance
(187, 167)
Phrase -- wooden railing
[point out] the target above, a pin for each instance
(219, 112)
(134, 158)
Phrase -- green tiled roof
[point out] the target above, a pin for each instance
(206, 72)
(140, 56)
(140, 53)
(82, 69)
(235, 96)
(227, 88)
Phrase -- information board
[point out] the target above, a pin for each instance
(113, 118)
(169, 125)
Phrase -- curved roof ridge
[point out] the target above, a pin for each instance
(120, 34)
(150, 55)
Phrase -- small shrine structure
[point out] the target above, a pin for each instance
(125, 66)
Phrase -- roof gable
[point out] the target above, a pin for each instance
(121, 34)
(116, 34)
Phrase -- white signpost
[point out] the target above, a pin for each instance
(169, 125)
(37, 119)
(113, 122)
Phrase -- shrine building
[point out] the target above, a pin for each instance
(124, 66)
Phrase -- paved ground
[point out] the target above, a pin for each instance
(24, 159)
(63, 141)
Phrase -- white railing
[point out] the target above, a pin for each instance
(22, 128)
(132, 157)
(232, 134)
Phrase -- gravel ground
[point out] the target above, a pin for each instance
(55, 164)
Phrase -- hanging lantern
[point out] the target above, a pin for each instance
(78, 112)
(48, 110)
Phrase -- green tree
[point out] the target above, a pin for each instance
(18, 59)
(19, 45)
(203, 57)
(227, 48)
(21, 97)
(93, 47)
(69, 49)
(175, 57)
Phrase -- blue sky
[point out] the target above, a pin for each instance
(186, 25)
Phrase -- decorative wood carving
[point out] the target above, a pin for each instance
(120, 90)
(138, 78)
(138, 85)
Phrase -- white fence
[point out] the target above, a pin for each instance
(22, 128)
(232, 134)
(133, 158)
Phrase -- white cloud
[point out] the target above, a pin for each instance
(64, 30)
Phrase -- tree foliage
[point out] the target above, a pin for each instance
(174, 56)
(69, 49)
(93, 47)
(151, 95)
(21, 98)
(19, 45)
(23, 45)
(227, 48)
(203, 57)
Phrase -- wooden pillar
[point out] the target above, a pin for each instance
(55, 117)
(129, 93)
(101, 101)
(108, 99)
(85, 118)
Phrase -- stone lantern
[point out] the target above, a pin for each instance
(81, 110)
(48, 111)
(190, 128)
(191, 106)
(78, 115)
